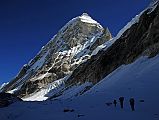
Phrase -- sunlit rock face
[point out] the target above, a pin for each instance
(70, 47)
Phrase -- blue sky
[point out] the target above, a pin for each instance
(27, 25)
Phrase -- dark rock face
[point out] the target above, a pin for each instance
(141, 39)
(7, 99)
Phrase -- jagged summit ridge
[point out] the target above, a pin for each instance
(78, 29)
(85, 18)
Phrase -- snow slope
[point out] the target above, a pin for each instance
(47, 92)
(139, 80)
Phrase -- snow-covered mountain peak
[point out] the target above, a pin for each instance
(74, 44)
(85, 14)
(86, 18)
(78, 30)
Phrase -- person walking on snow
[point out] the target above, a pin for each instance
(121, 100)
(115, 103)
(132, 104)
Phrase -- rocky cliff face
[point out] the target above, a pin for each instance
(71, 46)
(142, 38)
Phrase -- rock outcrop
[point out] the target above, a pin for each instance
(7, 99)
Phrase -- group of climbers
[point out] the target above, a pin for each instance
(121, 100)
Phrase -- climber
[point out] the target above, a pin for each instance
(121, 100)
(132, 104)
(115, 103)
